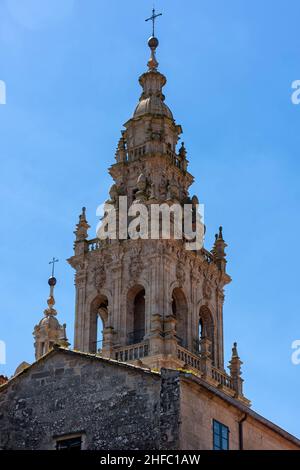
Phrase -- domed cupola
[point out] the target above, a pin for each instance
(151, 134)
(49, 331)
(152, 82)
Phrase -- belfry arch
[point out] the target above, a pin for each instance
(98, 322)
(136, 314)
(206, 329)
(180, 312)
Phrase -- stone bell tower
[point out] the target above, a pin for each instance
(49, 331)
(159, 305)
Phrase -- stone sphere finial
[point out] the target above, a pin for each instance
(52, 281)
(152, 62)
(153, 42)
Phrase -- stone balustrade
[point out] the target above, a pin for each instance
(194, 361)
(188, 358)
(132, 352)
(94, 244)
(222, 378)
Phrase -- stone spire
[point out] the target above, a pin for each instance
(150, 141)
(49, 331)
(121, 150)
(152, 82)
(235, 371)
(218, 250)
(81, 233)
(82, 227)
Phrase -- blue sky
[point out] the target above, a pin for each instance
(71, 69)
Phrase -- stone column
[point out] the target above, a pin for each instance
(155, 336)
(79, 340)
(170, 336)
(220, 345)
(117, 311)
(108, 342)
(206, 362)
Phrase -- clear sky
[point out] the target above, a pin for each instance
(71, 70)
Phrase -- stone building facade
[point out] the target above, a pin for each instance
(68, 396)
(156, 379)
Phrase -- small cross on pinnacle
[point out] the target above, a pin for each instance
(54, 260)
(153, 18)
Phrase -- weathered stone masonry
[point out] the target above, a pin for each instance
(119, 406)
(114, 406)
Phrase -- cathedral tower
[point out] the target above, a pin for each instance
(158, 304)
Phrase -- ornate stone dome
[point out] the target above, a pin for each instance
(50, 321)
(152, 105)
(152, 82)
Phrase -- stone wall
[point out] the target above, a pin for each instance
(114, 406)
(119, 406)
(199, 407)
(169, 409)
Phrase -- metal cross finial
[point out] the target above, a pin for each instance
(153, 18)
(54, 260)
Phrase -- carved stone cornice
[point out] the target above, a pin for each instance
(76, 262)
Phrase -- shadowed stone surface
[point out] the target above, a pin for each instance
(114, 406)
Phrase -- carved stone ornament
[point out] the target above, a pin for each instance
(99, 275)
(80, 279)
(136, 265)
(180, 273)
(163, 186)
(206, 289)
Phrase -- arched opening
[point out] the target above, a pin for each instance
(200, 334)
(101, 321)
(99, 317)
(136, 315)
(180, 312)
(206, 329)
